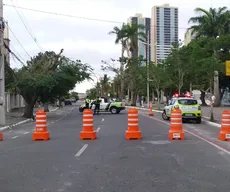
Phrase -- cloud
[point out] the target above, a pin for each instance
(83, 39)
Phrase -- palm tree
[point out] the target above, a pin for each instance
(120, 38)
(128, 35)
(134, 33)
(105, 84)
(210, 23)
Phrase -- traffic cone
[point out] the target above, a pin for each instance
(133, 131)
(41, 132)
(88, 131)
(176, 128)
(150, 109)
(224, 134)
(1, 136)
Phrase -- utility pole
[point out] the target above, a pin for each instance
(2, 71)
(147, 64)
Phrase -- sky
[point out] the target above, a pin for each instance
(84, 39)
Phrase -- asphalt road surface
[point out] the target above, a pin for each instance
(110, 163)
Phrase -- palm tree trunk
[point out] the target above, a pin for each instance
(122, 73)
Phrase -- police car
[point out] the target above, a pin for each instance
(189, 106)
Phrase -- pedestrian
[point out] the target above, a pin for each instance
(87, 101)
(97, 106)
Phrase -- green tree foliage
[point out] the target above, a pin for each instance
(47, 77)
(210, 23)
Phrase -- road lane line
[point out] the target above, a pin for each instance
(102, 119)
(195, 135)
(81, 150)
(25, 133)
(98, 129)
(14, 137)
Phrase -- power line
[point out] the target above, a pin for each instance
(85, 18)
(29, 31)
(16, 53)
(18, 41)
(9, 50)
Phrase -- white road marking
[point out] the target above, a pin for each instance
(25, 133)
(81, 150)
(14, 137)
(195, 135)
(98, 129)
(102, 119)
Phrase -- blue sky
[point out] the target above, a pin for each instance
(87, 40)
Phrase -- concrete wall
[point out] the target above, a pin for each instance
(13, 101)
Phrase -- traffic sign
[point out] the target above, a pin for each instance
(228, 68)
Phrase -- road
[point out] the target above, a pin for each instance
(110, 163)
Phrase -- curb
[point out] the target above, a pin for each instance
(22, 122)
(15, 124)
(145, 109)
(158, 111)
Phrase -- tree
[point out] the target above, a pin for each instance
(210, 23)
(159, 78)
(128, 35)
(120, 38)
(74, 95)
(46, 77)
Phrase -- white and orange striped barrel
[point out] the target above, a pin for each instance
(225, 126)
(176, 120)
(87, 121)
(133, 122)
(41, 121)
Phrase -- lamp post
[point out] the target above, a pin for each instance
(148, 45)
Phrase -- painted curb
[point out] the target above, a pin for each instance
(15, 124)
(21, 122)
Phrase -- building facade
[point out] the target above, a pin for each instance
(144, 48)
(164, 31)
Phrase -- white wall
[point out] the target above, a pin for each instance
(13, 101)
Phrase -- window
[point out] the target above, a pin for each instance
(187, 102)
(171, 102)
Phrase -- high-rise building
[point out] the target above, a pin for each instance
(143, 47)
(164, 26)
(188, 37)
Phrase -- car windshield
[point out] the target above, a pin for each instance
(187, 102)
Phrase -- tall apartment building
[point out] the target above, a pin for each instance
(188, 37)
(143, 47)
(164, 23)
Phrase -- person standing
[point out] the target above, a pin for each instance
(97, 106)
(87, 102)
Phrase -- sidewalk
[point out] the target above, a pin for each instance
(15, 116)
(217, 113)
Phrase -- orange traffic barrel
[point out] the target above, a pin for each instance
(150, 109)
(133, 131)
(176, 128)
(41, 132)
(88, 131)
(1, 136)
(224, 134)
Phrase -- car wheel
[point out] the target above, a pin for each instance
(198, 120)
(114, 110)
(164, 116)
